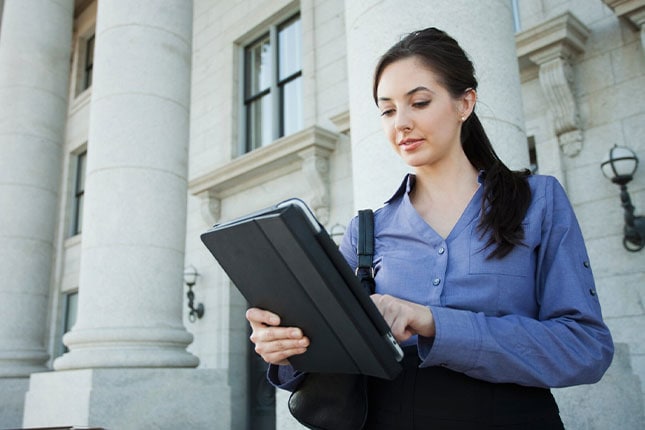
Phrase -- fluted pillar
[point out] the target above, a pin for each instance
(35, 45)
(132, 253)
(484, 30)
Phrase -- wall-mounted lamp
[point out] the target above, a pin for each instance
(190, 278)
(619, 167)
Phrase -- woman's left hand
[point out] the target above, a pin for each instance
(405, 318)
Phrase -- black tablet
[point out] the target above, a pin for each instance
(281, 259)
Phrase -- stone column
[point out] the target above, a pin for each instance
(35, 46)
(128, 367)
(130, 288)
(484, 30)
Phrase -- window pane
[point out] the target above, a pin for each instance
(80, 168)
(71, 310)
(258, 67)
(89, 62)
(532, 154)
(292, 107)
(259, 123)
(79, 193)
(289, 49)
(79, 214)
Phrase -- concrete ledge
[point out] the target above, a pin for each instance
(129, 399)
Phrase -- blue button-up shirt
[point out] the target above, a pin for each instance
(531, 318)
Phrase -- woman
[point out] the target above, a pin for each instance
(481, 272)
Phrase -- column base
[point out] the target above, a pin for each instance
(129, 398)
(12, 401)
(127, 347)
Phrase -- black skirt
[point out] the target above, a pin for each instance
(439, 398)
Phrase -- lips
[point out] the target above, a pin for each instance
(410, 144)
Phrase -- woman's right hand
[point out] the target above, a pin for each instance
(273, 343)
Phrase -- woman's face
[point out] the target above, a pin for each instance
(420, 118)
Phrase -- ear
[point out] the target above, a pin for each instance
(467, 103)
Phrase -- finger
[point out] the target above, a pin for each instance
(281, 358)
(400, 328)
(271, 334)
(262, 316)
(279, 351)
(281, 345)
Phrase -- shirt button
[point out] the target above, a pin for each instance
(442, 250)
(436, 281)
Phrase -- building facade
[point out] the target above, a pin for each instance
(128, 128)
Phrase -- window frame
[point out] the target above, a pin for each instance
(275, 90)
(84, 64)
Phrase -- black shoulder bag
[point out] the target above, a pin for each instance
(335, 401)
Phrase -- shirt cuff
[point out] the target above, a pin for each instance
(285, 377)
(457, 341)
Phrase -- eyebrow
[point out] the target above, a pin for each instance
(409, 93)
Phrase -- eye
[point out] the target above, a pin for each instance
(421, 104)
(387, 112)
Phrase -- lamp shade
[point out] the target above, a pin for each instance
(620, 164)
(190, 275)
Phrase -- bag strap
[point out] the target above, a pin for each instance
(365, 269)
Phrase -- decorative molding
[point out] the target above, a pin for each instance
(631, 11)
(307, 151)
(341, 121)
(315, 167)
(550, 47)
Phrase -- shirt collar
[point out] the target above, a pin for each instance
(405, 187)
(409, 180)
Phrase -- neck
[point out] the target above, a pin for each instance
(455, 179)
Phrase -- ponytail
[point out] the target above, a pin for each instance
(507, 195)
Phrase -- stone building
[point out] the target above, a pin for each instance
(127, 128)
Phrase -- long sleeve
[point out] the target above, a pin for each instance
(531, 318)
(565, 344)
(284, 377)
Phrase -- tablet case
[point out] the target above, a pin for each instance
(281, 259)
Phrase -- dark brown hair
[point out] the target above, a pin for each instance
(506, 193)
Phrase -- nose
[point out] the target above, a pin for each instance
(402, 121)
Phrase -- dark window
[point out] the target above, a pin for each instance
(79, 193)
(89, 62)
(532, 154)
